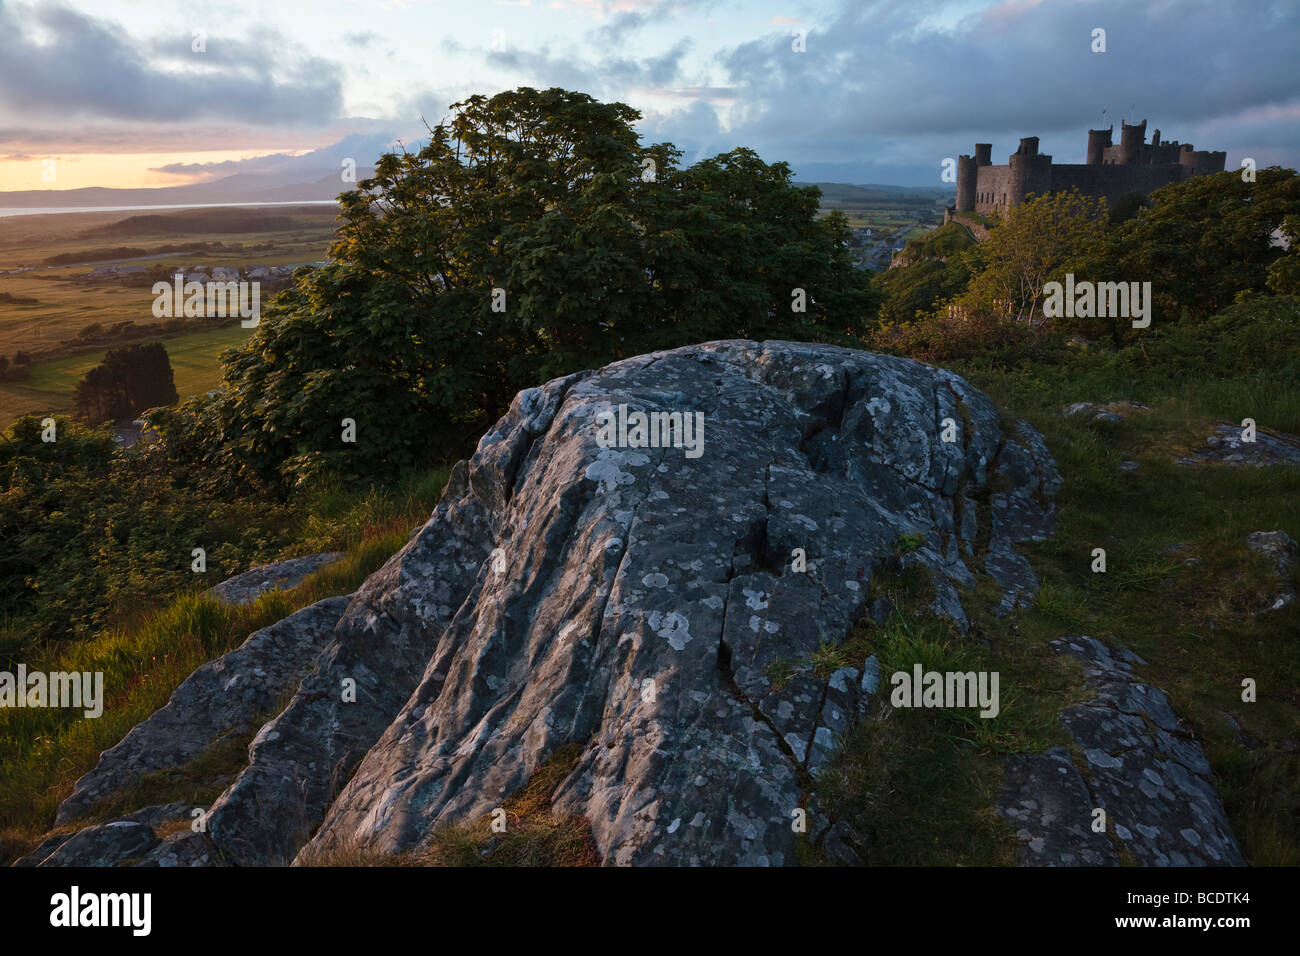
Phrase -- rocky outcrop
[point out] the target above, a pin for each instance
(1144, 769)
(1111, 413)
(105, 844)
(248, 587)
(637, 601)
(225, 698)
(1048, 802)
(1228, 446)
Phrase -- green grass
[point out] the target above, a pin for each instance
(44, 751)
(64, 306)
(193, 355)
(919, 787)
(1201, 626)
(883, 209)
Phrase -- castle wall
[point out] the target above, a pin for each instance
(1098, 142)
(1110, 171)
(1131, 140)
(1112, 182)
(993, 188)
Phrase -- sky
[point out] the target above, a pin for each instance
(171, 92)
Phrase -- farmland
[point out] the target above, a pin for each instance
(50, 312)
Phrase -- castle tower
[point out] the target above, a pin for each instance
(983, 154)
(1131, 141)
(1031, 172)
(1098, 140)
(967, 173)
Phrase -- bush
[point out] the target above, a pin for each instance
(90, 532)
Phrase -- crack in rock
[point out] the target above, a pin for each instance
(618, 623)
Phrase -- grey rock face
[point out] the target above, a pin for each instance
(223, 697)
(644, 595)
(1048, 802)
(247, 587)
(1145, 769)
(43, 849)
(635, 601)
(391, 632)
(1092, 412)
(105, 844)
(1111, 413)
(1227, 447)
(183, 849)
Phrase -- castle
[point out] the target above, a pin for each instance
(1134, 166)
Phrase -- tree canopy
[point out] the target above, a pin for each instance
(1030, 244)
(532, 236)
(128, 381)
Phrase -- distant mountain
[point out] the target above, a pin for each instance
(241, 187)
(258, 187)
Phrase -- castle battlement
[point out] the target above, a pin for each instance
(1111, 171)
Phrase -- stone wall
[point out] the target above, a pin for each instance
(1112, 171)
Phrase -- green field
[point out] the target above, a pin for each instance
(64, 305)
(63, 308)
(885, 208)
(50, 387)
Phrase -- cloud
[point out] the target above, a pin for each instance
(883, 87)
(364, 149)
(60, 61)
(715, 94)
(877, 81)
(610, 77)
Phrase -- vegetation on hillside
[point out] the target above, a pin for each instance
(545, 196)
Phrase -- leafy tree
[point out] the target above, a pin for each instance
(128, 381)
(1032, 243)
(1126, 207)
(1248, 339)
(1284, 273)
(939, 266)
(1202, 243)
(89, 531)
(532, 236)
